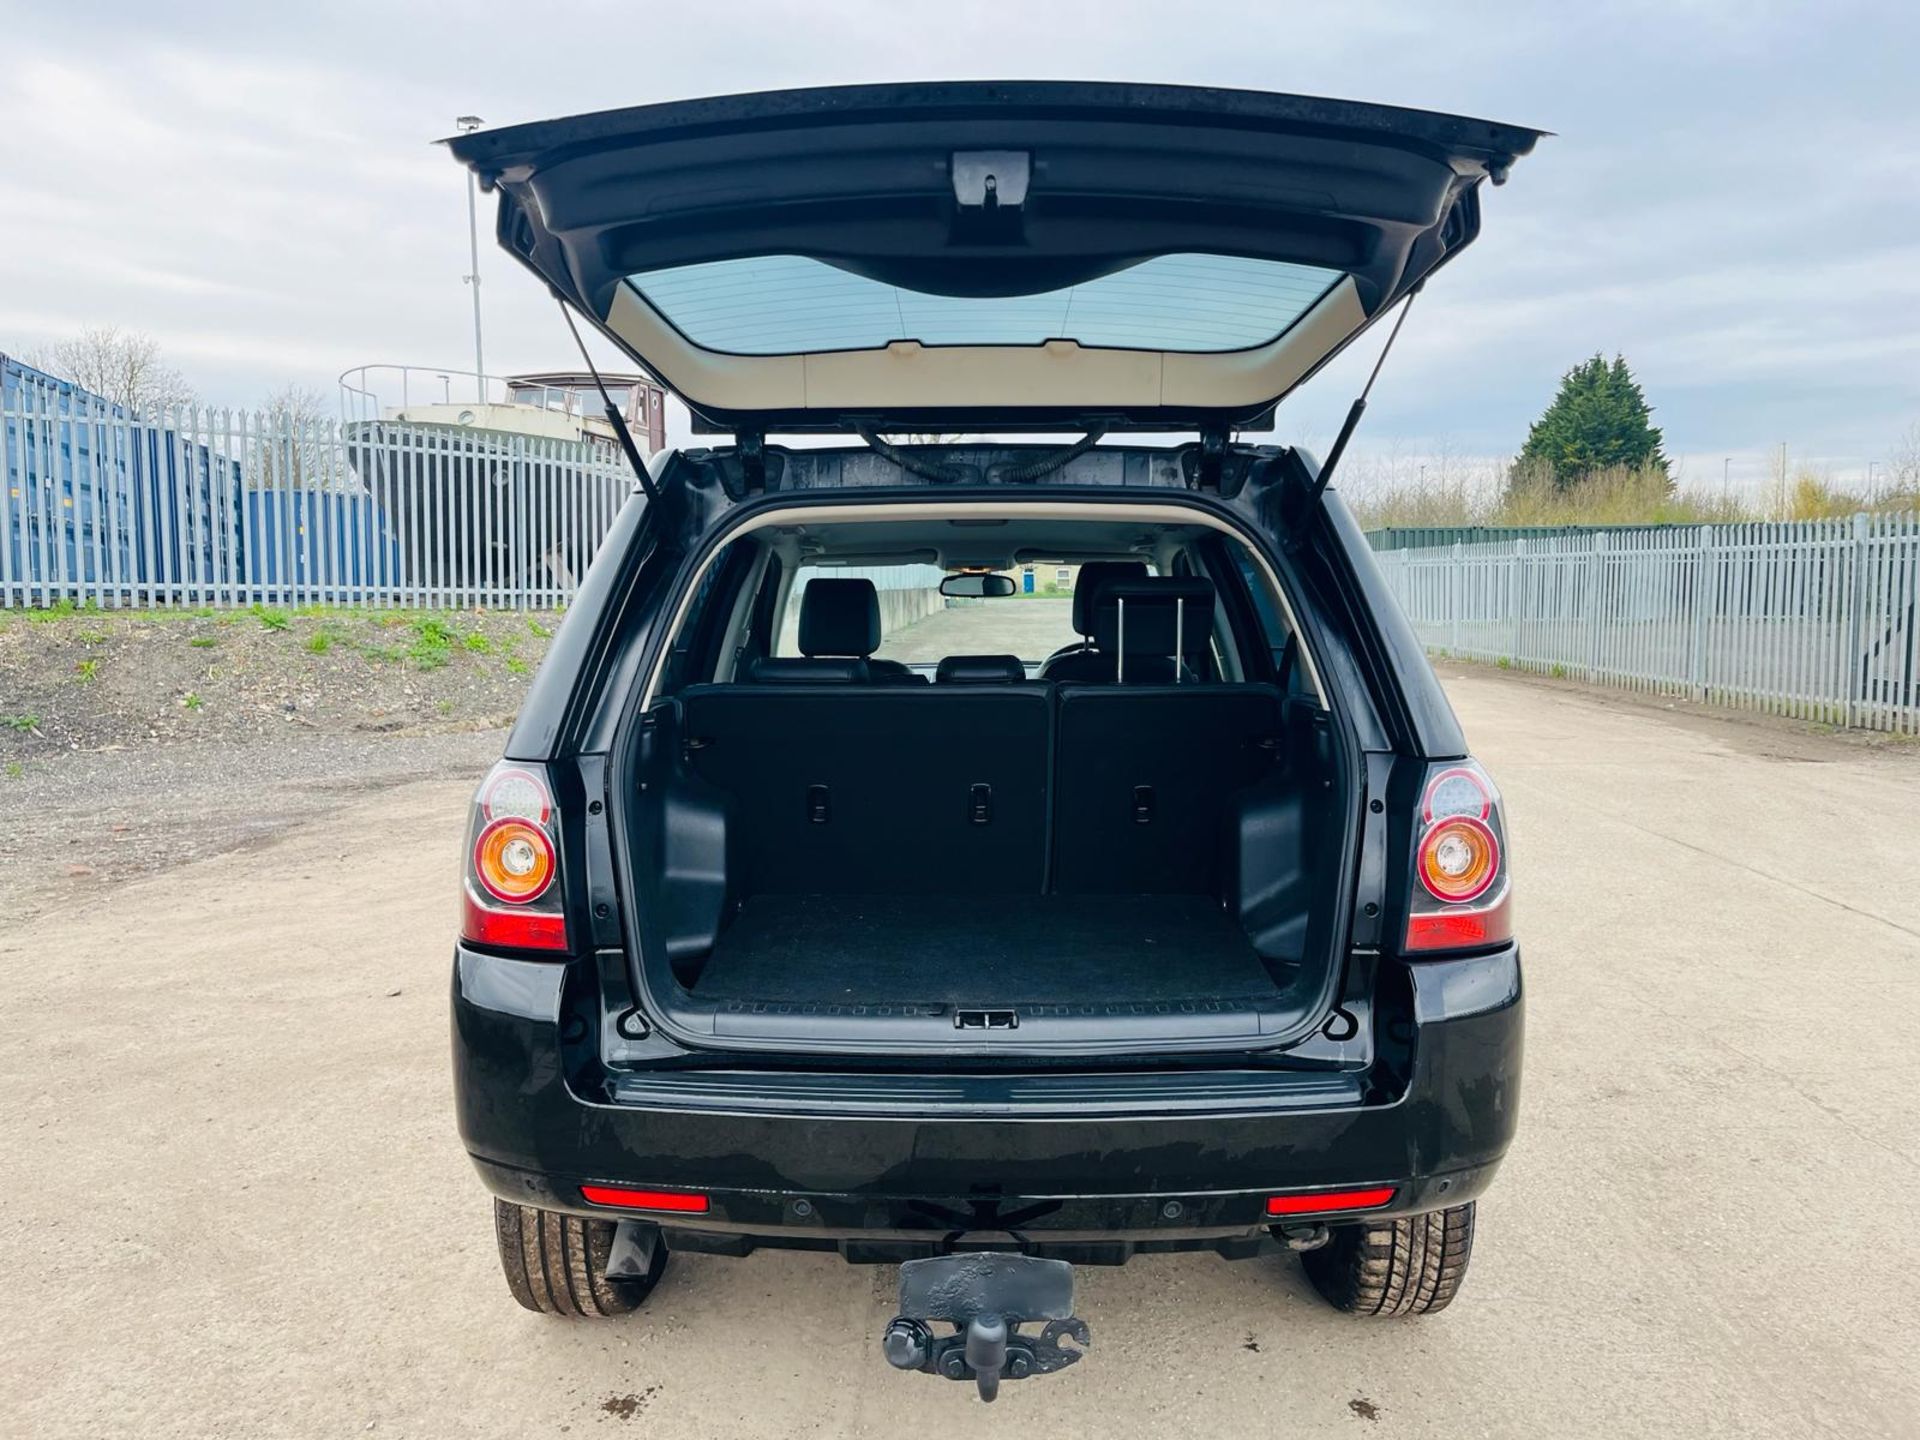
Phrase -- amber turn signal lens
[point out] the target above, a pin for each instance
(513, 860)
(1459, 859)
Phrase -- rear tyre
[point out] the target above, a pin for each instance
(1409, 1266)
(557, 1264)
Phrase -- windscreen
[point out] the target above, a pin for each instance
(920, 627)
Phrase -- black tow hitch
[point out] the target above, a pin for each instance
(986, 1296)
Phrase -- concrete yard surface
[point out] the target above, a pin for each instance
(232, 1202)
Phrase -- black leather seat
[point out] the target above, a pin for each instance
(877, 789)
(1154, 631)
(1071, 662)
(1149, 780)
(839, 631)
(1157, 631)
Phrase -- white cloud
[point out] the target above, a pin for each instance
(1730, 199)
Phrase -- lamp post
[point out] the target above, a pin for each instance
(467, 124)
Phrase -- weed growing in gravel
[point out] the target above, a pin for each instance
(478, 643)
(190, 700)
(85, 670)
(537, 628)
(59, 610)
(445, 707)
(22, 723)
(93, 637)
(319, 642)
(271, 619)
(386, 653)
(202, 612)
(203, 642)
(517, 666)
(15, 769)
(432, 643)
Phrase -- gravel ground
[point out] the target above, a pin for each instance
(232, 1202)
(80, 680)
(83, 822)
(132, 742)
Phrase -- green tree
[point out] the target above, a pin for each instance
(1600, 420)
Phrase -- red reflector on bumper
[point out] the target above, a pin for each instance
(510, 929)
(1329, 1200)
(1462, 929)
(678, 1200)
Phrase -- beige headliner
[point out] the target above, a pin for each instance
(1084, 510)
(908, 375)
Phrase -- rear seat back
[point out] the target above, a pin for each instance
(1145, 782)
(851, 790)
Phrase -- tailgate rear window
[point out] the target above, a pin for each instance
(794, 305)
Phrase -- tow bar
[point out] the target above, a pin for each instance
(986, 1296)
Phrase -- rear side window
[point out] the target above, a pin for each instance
(693, 655)
(1274, 632)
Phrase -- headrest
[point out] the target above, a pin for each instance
(789, 670)
(839, 617)
(1093, 575)
(980, 670)
(1151, 609)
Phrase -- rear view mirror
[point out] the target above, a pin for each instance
(976, 587)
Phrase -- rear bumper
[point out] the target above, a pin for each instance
(541, 1117)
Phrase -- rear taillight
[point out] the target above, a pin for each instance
(1461, 892)
(510, 893)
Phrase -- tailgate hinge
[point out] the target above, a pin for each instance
(1210, 460)
(751, 446)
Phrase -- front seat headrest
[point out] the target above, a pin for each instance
(1093, 576)
(980, 670)
(839, 618)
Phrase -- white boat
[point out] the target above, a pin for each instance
(434, 463)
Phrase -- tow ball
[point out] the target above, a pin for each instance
(986, 1296)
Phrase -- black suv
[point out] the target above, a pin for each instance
(987, 856)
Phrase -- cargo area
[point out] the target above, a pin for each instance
(901, 828)
(1087, 950)
(916, 864)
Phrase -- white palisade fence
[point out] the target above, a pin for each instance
(228, 507)
(1812, 619)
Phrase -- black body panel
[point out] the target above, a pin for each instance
(880, 1155)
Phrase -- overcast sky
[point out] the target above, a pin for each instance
(1731, 198)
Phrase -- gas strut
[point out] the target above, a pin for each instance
(614, 417)
(1359, 407)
